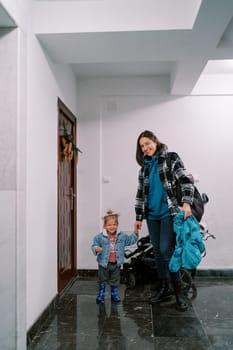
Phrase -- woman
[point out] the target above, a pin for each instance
(156, 203)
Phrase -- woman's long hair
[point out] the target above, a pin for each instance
(150, 135)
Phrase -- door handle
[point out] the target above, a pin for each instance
(71, 194)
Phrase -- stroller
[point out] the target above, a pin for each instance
(140, 265)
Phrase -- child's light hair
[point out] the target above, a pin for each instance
(110, 214)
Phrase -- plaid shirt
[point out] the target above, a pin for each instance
(167, 177)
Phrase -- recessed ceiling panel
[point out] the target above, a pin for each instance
(219, 67)
(112, 69)
(5, 20)
(227, 37)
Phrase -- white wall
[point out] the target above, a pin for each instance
(8, 185)
(45, 84)
(30, 86)
(112, 114)
(13, 189)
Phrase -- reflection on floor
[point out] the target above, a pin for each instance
(79, 323)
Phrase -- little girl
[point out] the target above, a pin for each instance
(109, 246)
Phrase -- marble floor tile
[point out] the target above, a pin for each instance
(77, 322)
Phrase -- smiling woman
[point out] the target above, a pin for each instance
(156, 202)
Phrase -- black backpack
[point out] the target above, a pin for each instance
(198, 201)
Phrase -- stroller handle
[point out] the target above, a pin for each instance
(128, 255)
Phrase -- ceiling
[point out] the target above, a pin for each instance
(5, 20)
(182, 40)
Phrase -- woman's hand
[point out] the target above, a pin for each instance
(187, 210)
(137, 226)
(98, 249)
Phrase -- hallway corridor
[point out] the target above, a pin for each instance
(77, 322)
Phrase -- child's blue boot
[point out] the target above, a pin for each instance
(114, 294)
(101, 295)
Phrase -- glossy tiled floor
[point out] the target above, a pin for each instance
(78, 323)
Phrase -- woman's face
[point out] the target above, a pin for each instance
(148, 146)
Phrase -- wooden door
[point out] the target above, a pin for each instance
(67, 191)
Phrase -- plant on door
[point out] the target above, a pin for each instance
(69, 148)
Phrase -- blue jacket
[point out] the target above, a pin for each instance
(189, 243)
(122, 240)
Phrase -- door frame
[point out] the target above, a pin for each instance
(62, 108)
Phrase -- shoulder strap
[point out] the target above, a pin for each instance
(169, 164)
(175, 190)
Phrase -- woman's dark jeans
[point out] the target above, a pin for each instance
(162, 237)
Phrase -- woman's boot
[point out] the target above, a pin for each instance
(101, 295)
(180, 297)
(164, 293)
(114, 294)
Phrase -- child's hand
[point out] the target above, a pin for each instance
(98, 249)
(137, 227)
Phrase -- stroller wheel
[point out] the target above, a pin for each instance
(130, 280)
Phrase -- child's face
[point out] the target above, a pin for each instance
(111, 225)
